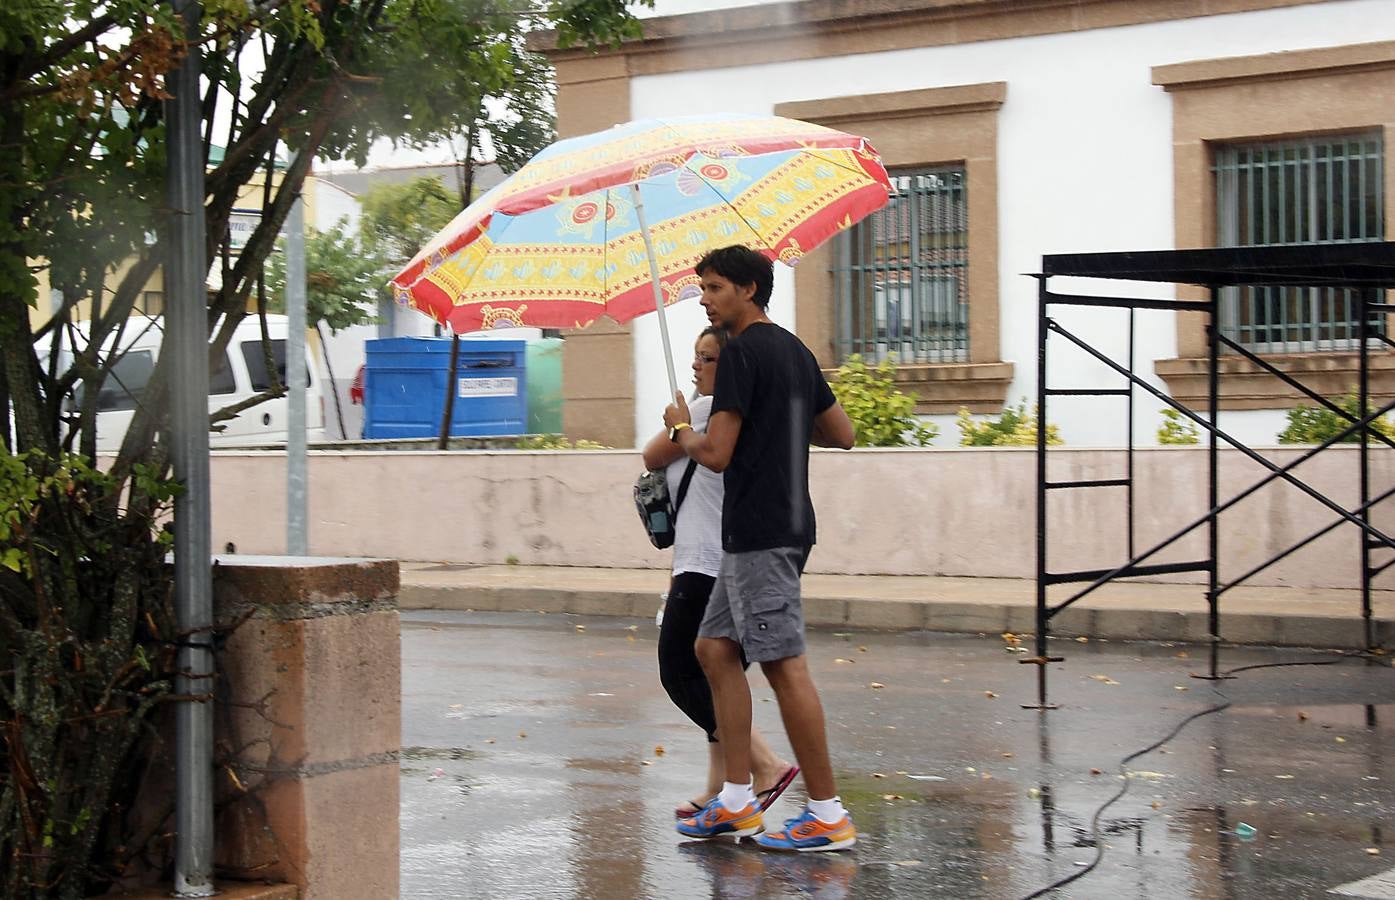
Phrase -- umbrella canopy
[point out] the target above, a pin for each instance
(579, 231)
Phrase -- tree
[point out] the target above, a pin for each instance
(85, 627)
(398, 219)
(344, 279)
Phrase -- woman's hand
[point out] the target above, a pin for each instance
(677, 411)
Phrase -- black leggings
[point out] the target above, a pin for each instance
(679, 670)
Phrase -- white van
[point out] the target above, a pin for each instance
(241, 375)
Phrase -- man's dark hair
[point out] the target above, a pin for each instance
(741, 266)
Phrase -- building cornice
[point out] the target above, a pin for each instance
(810, 29)
(1286, 65)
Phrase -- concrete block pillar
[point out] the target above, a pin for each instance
(309, 724)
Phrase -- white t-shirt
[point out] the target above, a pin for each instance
(697, 546)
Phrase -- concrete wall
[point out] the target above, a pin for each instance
(310, 718)
(921, 512)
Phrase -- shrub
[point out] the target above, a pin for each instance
(556, 442)
(1013, 428)
(1175, 429)
(881, 415)
(1314, 425)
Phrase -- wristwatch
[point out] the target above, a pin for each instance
(673, 432)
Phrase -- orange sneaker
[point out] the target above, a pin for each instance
(716, 820)
(805, 834)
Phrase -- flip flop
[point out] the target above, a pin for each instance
(680, 813)
(768, 797)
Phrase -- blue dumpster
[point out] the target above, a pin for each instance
(404, 387)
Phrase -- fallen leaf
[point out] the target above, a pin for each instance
(987, 776)
(892, 797)
(1302, 716)
(1096, 772)
(876, 685)
(1180, 687)
(1284, 777)
(1103, 678)
(1374, 851)
(632, 628)
(1082, 640)
(659, 750)
(1011, 638)
(580, 627)
(1157, 804)
(878, 775)
(456, 706)
(840, 660)
(861, 649)
(1033, 793)
(990, 695)
(1007, 755)
(1341, 740)
(237, 783)
(630, 638)
(489, 740)
(645, 762)
(523, 734)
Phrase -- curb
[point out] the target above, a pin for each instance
(989, 617)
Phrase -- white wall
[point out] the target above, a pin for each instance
(1084, 165)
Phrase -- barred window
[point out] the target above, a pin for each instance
(1313, 190)
(900, 275)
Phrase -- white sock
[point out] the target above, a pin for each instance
(829, 812)
(737, 796)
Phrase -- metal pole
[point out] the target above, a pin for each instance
(186, 344)
(1213, 490)
(1363, 334)
(658, 290)
(1043, 621)
(297, 543)
(1128, 500)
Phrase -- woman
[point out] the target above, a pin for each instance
(697, 556)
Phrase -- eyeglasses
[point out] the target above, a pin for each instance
(703, 359)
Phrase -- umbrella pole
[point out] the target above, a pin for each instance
(658, 291)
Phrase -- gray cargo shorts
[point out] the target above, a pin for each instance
(755, 603)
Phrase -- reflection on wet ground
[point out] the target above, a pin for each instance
(544, 761)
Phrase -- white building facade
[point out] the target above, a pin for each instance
(1017, 130)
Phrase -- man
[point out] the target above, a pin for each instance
(771, 401)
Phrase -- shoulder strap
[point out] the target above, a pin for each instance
(683, 487)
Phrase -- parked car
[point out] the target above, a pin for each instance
(242, 373)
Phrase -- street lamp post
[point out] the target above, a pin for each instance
(186, 343)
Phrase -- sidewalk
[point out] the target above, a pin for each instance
(1121, 611)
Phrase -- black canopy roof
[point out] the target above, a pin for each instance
(1366, 264)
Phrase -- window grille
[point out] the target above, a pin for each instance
(900, 274)
(1314, 190)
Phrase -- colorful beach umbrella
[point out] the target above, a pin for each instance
(611, 224)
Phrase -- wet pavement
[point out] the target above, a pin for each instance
(542, 759)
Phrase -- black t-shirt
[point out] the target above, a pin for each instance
(773, 382)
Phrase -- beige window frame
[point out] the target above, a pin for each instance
(919, 129)
(1332, 90)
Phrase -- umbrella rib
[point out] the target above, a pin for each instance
(761, 240)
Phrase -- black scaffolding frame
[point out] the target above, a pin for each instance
(1369, 265)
